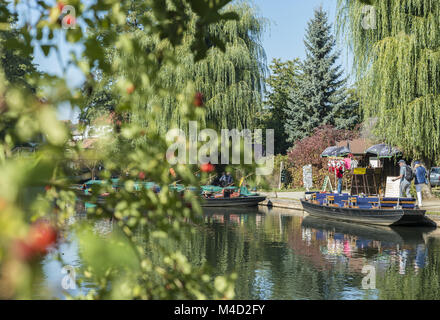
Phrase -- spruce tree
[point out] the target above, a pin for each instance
(320, 96)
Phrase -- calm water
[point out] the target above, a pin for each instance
(283, 255)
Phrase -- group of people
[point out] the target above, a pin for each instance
(225, 180)
(407, 174)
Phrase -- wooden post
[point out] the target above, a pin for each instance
(281, 170)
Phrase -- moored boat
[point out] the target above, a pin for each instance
(243, 201)
(366, 210)
(214, 196)
(211, 196)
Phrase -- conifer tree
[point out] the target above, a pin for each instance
(320, 96)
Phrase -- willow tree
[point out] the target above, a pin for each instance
(17, 66)
(230, 78)
(232, 82)
(395, 45)
(118, 266)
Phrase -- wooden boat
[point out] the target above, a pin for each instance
(366, 210)
(211, 196)
(243, 201)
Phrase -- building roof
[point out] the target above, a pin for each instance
(356, 146)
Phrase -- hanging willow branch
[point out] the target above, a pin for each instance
(231, 80)
(398, 67)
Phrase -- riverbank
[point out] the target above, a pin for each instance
(291, 200)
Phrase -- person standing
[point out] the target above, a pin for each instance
(405, 179)
(223, 180)
(340, 176)
(420, 181)
(229, 179)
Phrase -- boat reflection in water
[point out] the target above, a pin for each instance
(354, 243)
(281, 254)
(239, 215)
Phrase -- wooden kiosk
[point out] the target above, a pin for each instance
(366, 181)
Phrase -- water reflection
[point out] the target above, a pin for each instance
(380, 246)
(280, 254)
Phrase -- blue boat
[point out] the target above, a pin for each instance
(366, 209)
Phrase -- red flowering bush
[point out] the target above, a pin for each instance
(308, 151)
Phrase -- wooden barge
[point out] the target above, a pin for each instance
(366, 210)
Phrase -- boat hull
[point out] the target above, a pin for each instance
(383, 217)
(252, 201)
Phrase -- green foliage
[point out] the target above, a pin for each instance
(133, 149)
(283, 79)
(17, 67)
(397, 65)
(321, 96)
(231, 77)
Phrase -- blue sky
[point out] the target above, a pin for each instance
(283, 38)
(288, 21)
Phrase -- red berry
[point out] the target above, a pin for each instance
(41, 236)
(207, 167)
(60, 6)
(130, 88)
(141, 175)
(172, 172)
(198, 99)
(47, 188)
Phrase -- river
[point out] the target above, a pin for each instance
(284, 254)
